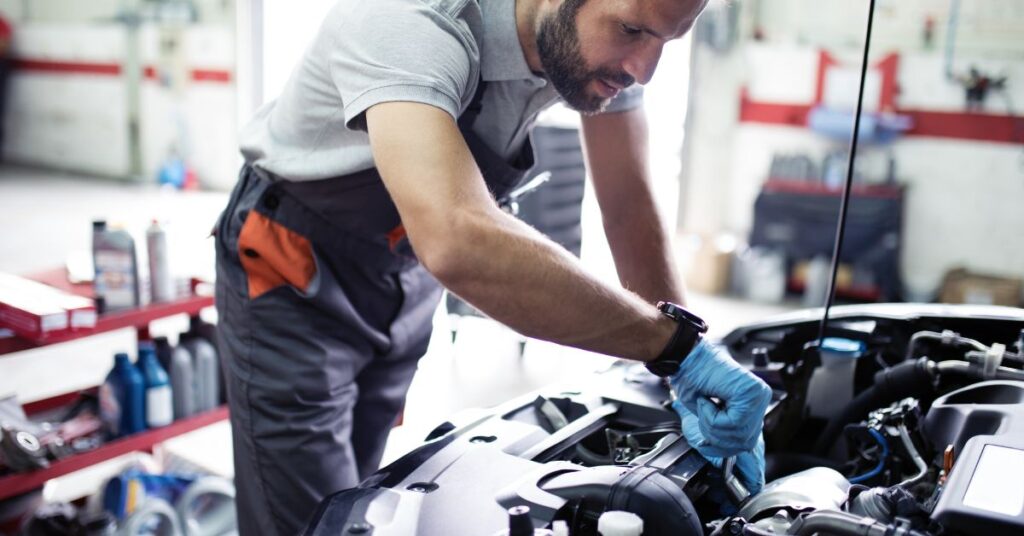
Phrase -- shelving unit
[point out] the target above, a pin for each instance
(17, 483)
(138, 318)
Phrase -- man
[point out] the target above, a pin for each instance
(373, 177)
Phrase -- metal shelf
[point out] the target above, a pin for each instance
(138, 318)
(18, 483)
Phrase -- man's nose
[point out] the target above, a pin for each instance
(640, 64)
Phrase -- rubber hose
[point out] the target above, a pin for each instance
(974, 371)
(907, 379)
(842, 524)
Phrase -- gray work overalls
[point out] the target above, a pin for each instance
(323, 314)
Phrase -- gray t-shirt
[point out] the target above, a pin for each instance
(428, 51)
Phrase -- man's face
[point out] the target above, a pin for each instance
(591, 49)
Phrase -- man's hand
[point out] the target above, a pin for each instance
(749, 464)
(733, 425)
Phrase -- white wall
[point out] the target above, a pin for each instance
(288, 29)
(79, 11)
(963, 197)
(69, 121)
(82, 122)
(194, 119)
(990, 26)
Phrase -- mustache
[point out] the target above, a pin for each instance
(620, 78)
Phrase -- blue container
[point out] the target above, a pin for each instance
(122, 399)
(159, 400)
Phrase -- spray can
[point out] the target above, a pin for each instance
(159, 405)
(122, 399)
(116, 279)
(161, 283)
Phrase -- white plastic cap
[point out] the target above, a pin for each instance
(560, 528)
(616, 523)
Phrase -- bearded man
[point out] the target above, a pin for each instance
(370, 183)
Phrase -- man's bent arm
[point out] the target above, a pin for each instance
(616, 150)
(497, 263)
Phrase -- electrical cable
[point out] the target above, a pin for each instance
(881, 460)
(848, 186)
(912, 451)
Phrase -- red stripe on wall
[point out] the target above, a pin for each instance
(211, 75)
(149, 72)
(967, 126)
(955, 125)
(67, 67)
(794, 115)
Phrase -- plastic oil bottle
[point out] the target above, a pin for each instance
(159, 397)
(116, 278)
(206, 364)
(122, 399)
(205, 368)
(183, 382)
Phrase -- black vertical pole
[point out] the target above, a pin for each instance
(849, 177)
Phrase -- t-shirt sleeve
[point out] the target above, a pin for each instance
(628, 99)
(389, 50)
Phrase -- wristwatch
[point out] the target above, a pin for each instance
(689, 330)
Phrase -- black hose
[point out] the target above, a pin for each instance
(907, 379)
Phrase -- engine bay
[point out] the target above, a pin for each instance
(918, 431)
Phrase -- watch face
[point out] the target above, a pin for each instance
(681, 314)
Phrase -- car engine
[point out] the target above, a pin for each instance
(920, 433)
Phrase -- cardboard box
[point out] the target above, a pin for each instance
(39, 312)
(962, 286)
(707, 270)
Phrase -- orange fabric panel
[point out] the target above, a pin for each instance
(273, 255)
(395, 236)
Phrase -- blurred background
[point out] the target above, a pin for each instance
(128, 111)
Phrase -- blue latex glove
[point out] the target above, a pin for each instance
(734, 424)
(749, 464)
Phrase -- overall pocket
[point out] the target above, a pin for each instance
(273, 255)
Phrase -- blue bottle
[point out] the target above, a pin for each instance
(159, 399)
(122, 399)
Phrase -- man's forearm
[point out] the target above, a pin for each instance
(517, 276)
(642, 250)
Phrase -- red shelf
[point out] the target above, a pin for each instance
(138, 318)
(883, 191)
(18, 483)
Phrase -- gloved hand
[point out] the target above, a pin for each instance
(749, 464)
(734, 424)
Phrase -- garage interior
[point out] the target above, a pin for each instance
(128, 111)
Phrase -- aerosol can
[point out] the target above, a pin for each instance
(161, 284)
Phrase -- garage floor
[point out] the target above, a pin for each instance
(46, 219)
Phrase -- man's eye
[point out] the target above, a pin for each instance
(629, 30)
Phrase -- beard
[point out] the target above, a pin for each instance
(558, 45)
